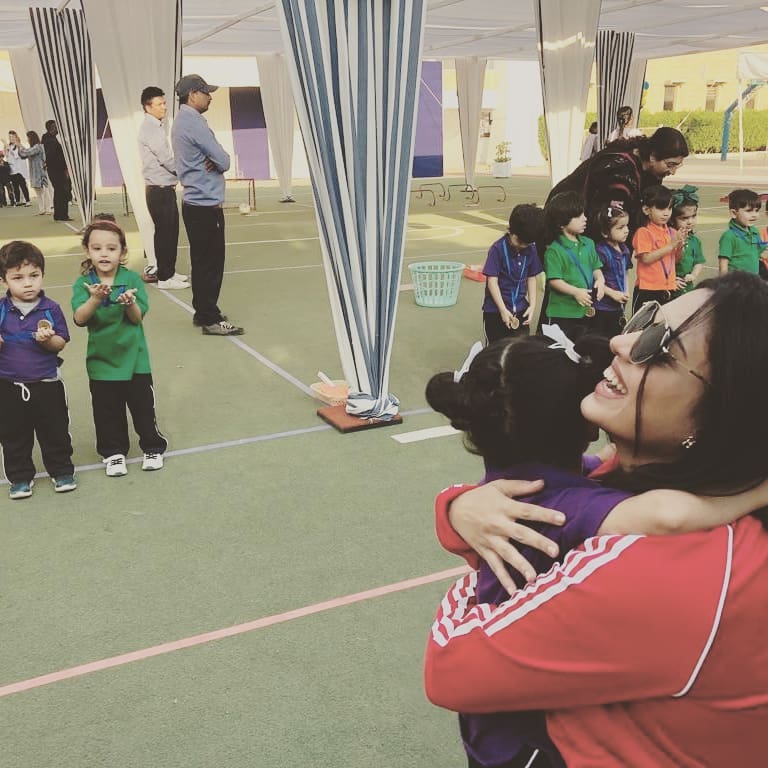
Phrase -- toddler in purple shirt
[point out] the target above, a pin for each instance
(32, 398)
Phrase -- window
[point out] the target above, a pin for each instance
(670, 97)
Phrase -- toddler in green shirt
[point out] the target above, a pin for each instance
(740, 244)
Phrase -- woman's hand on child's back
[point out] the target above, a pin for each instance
(487, 519)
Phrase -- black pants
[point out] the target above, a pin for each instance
(608, 323)
(109, 400)
(573, 327)
(161, 202)
(641, 295)
(62, 192)
(205, 231)
(6, 184)
(495, 329)
(20, 187)
(38, 409)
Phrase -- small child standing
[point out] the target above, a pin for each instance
(740, 244)
(32, 398)
(574, 271)
(6, 185)
(112, 301)
(685, 208)
(511, 268)
(616, 260)
(657, 247)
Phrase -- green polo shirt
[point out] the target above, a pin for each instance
(741, 246)
(117, 348)
(689, 258)
(560, 263)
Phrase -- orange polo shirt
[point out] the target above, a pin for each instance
(659, 276)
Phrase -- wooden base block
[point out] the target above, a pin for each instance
(338, 418)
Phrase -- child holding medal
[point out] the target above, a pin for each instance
(511, 268)
(740, 245)
(657, 248)
(616, 260)
(574, 271)
(32, 398)
(112, 301)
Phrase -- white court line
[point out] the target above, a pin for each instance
(252, 352)
(406, 287)
(425, 434)
(227, 444)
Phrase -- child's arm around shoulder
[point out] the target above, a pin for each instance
(664, 512)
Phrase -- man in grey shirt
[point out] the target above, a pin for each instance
(159, 171)
(200, 165)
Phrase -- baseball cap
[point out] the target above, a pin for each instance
(190, 83)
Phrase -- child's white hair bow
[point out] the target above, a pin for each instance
(473, 352)
(557, 335)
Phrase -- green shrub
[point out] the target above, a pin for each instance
(702, 130)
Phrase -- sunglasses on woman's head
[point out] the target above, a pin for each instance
(654, 339)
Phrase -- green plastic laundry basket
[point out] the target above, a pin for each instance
(436, 283)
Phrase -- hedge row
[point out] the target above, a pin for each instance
(702, 130)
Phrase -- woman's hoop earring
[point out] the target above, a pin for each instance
(689, 442)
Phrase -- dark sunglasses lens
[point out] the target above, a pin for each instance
(649, 343)
(641, 319)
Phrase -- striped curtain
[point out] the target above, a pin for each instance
(65, 57)
(354, 68)
(470, 78)
(614, 56)
(132, 49)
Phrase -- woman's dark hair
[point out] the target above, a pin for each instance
(558, 211)
(731, 449)
(663, 143)
(32, 138)
(520, 400)
(526, 222)
(623, 116)
(607, 216)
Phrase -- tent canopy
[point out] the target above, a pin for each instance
(493, 29)
(753, 66)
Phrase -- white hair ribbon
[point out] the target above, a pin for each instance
(473, 352)
(557, 335)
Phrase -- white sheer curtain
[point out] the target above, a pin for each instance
(566, 33)
(280, 116)
(614, 57)
(133, 47)
(470, 78)
(30, 88)
(634, 92)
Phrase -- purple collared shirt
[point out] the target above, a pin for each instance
(493, 739)
(22, 359)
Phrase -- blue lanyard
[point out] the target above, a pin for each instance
(509, 269)
(107, 301)
(657, 246)
(743, 236)
(621, 283)
(575, 260)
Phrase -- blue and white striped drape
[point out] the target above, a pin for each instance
(354, 68)
(65, 57)
(614, 57)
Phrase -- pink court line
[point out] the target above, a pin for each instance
(220, 634)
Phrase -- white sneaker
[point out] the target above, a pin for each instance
(179, 276)
(172, 284)
(152, 461)
(116, 465)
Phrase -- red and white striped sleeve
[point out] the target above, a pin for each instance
(622, 618)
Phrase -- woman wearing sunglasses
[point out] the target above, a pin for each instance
(644, 651)
(618, 174)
